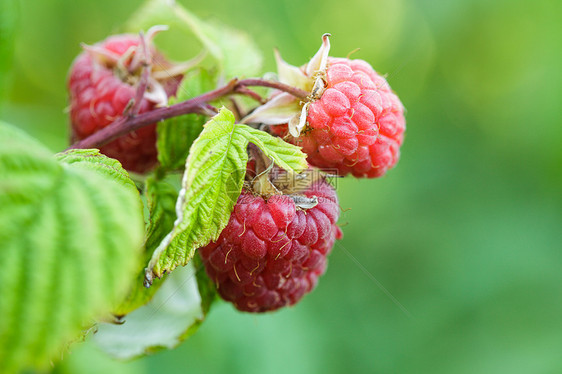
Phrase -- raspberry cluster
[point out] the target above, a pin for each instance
(275, 245)
(271, 253)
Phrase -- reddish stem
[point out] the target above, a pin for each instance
(126, 124)
(252, 94)
(296, 92)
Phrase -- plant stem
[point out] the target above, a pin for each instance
(126, 124)
(296, 92)
(252, 94)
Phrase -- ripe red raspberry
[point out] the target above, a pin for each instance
(100, 88)
(357, 126)
(271, 253)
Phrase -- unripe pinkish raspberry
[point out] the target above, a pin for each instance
(352, 122)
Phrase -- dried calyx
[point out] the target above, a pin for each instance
(163, 76)
(285, 108)
(265, 179)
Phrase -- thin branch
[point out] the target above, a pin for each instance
(236, 109)
(296, 92)
(208, 110)
(126, 124)
(250, 93)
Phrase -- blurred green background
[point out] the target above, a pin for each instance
(465, 234)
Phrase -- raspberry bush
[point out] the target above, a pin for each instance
(238, 187)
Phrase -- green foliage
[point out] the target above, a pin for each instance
(175, 312)
(213, 178)
(8, 23)
(283, 154)
(207, 288)
(161, 200)
(92, 159)
(176, 134)
(234, 50)
(465, 232)
(235, 53)
(71, 235)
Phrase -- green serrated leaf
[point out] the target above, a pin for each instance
(171, 316)
(207, 288)
(70, 238)
(211, 184)
(32, 173)
(92, 159)
(234, 51)
(161, 198)
(175, 135)
(285, 155)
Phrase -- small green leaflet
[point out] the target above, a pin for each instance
(161, 199)
(285, 155)
(213, 179)
(71, 236)
(176, 134)
(233, 50)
